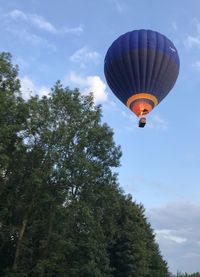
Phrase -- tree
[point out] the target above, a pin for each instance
(62, 210)
(12, 118)
(134, 252)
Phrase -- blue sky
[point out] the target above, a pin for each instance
(68, 40)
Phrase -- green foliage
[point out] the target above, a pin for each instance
(187, 275)
(62, 212)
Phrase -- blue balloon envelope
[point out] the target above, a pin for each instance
(141, 67)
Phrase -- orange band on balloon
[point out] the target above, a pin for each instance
(142, 96)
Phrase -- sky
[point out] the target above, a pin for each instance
(67, 40)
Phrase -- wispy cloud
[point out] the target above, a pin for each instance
(193, 40)
(153, 122)
(28, 88)
(196, 65)
(34, 19)
(131, 121)
(129, 116)
(89, 84)
(20, 62)
(24, 35)
(157, 122)
(174, 26)
(119, 5)
(177, 226)
(85, 55)
(169, 235)
(15, 14)
(41, 23)
(76, 30)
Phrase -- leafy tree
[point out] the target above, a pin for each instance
(62, 212)
(12, 117)
(135, 252)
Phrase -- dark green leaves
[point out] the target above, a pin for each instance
(62, 212)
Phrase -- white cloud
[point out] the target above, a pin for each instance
(174, 26)
(89, 84)
(156, 121)
(43, 91)
(168, 235)
(24, 35)
(15, 14)
(130, 116)
(119, 5)
(196, 24)
(28, 88)
(193, 40)
(34, 19)
(131, 119)
(36, 40)
(111, 106)
(20, 62)
(41, 23)
(196, 65)
(85, 55)
(76, 30)
(153, 121)
(177, 226)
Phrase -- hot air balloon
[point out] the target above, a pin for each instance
(141, 67)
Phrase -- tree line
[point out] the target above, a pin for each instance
(62, 211)
(187, 275)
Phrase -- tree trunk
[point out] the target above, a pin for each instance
(17, 252)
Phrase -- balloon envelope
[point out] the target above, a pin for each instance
(141, 67)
